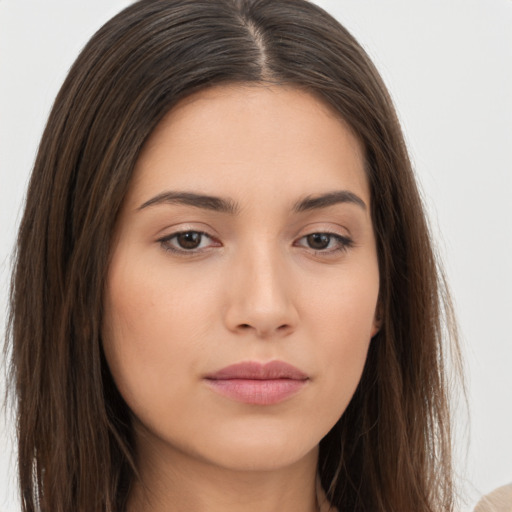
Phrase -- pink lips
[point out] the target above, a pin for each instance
(256, 383)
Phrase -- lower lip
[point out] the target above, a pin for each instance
(257, 392)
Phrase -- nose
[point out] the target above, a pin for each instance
(261, 298)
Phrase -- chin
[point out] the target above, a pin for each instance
(261, 448)
(260, 456)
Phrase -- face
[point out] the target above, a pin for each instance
(243, 281)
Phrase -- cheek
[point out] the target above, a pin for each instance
(342, 320)
(147, 306)
(151, 331)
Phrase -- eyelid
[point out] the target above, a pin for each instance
(165, 242)
(345, 242)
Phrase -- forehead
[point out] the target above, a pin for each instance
(276, 137)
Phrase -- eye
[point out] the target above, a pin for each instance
(325, 242)
(187, 241)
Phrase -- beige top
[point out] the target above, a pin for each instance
(499, 500)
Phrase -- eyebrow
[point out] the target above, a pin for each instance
(203, 201)
(225, 205)
(328, 199)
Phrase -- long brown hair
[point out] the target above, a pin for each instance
(390, 451)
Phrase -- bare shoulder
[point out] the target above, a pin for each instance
(499, 500)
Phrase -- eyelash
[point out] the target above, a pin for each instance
(344, 243)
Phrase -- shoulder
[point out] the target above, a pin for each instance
(499, 500)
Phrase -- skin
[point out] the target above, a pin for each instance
(257, 288)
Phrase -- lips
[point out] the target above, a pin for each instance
(258, 384)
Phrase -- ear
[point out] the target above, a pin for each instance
(377, 320)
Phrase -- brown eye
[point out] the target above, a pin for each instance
(188, 242)
(318, 241)
(189, 239)
(327, 244)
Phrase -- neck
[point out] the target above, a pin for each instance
(175, 482)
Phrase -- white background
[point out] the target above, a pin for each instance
(448, 64)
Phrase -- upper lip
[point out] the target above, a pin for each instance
(258, 371)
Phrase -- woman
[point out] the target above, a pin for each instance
(225, 295)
